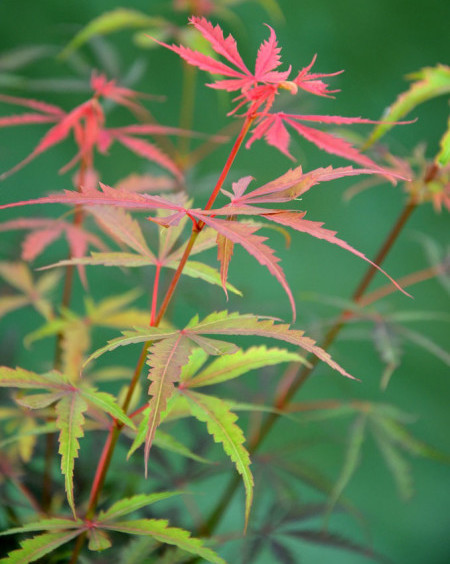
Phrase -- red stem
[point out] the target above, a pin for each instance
(248, 122)
(113, 435)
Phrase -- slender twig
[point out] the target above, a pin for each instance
(295, 380)
(404, 282)
(116, 427)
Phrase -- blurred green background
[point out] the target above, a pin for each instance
(377, 43)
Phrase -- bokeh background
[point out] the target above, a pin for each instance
(377, 43)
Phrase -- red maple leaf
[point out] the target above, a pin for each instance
(86, 121)
(260, 87)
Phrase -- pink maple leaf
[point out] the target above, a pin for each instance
(44, 231)
(260, 87)
(257, 87)
(272, 128)
(86, 121)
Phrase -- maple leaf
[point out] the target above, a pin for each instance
(18, 275)
(166, 358)
(45, 231)
(71, 404)
(260, 87)
(272, 128)
(283, 189)
(223, 323)
(257, 87)
(221, 424)
(107, 196)
(87, 122)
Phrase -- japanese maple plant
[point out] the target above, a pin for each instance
(51, 411)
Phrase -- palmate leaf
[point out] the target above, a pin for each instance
(159, 530)
(72, 403)
(70, 420)
(19, 275)
(232, 366)
(106, 197)
(224, 323)
(221, 424)
(37, 547)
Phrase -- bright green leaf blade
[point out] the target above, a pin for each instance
(159, 529)
(224, 323)
(37, 547)
(70, 421)
(167, 442)
(351, 461)
(107, 403)
(109, 22)
(443, 157)
(221, 424)
(54, 524)
(130, 504)
(428, 83)
(232, 366)
(196, 361)
(196, 269)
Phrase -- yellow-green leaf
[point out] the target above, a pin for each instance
(70, 421)
(221, 424)
(109, 22)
